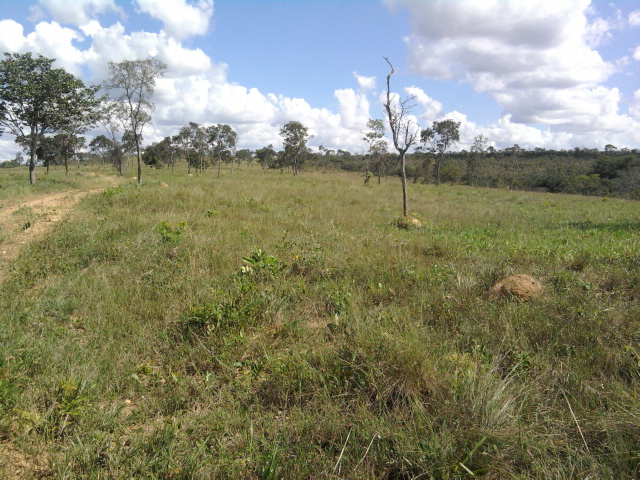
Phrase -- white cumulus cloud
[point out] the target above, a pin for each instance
(74, 12)
(536, 59)
(635, 108)
(365, 83)
(181, 19)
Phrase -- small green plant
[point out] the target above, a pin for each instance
(261, 262)
(253, 203)
(270, 462)
(66, 405)
(112, 192)
(171, 233)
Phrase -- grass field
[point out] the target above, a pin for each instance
(263, 326)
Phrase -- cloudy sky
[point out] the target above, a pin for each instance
(544, 73)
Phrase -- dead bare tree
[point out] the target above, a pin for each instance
(403, 132)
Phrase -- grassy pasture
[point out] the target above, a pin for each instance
(263, 326)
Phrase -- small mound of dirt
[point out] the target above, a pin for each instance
(407, 223)
(520, 286)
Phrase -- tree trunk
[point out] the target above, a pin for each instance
(437, 165)
(32, 160)
(404, 183)
(139, 163)
(367, 165)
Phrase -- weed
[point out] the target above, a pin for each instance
(171, 233)
(259, 262)
(112, 192)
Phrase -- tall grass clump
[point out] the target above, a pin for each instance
(262, 326)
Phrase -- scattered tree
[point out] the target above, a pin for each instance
(110, 121)
(244, 155)
(439, 138)
(478, 151)
(183, 142)
(266, 156)
(376, 143)
(132, 82)
(102, 147)
(199, 144)
(295, 137)
(403, 132)
(222, 142)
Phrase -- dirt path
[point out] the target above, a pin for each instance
(31, 220)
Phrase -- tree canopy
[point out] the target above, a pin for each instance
(440, 137)
(36, 99)
(295, 136)
(132, 84)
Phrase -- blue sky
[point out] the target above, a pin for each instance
(549, 73)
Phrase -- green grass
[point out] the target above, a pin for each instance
(265, 326)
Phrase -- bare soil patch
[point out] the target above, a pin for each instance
(32, 219)
(16, 465)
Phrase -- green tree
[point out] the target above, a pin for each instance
(48, 151)
(198, 141)
(266, 156)
(132, 83)
(477, 153)
(244, 155)
(512, 157)
(102, 147)
(70, 145)
(376, 145)
(36, 99)
(440, 137)
(403, 133)
(183, 144)
(111, 122)
(166, 151)
(295, 136)
(84, 116)
(129, 145)
(222, 142)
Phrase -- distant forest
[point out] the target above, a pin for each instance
(609, 172)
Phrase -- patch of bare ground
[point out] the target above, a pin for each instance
(33, 219)
(16, 465)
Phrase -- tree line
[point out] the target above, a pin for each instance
(48, 110)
